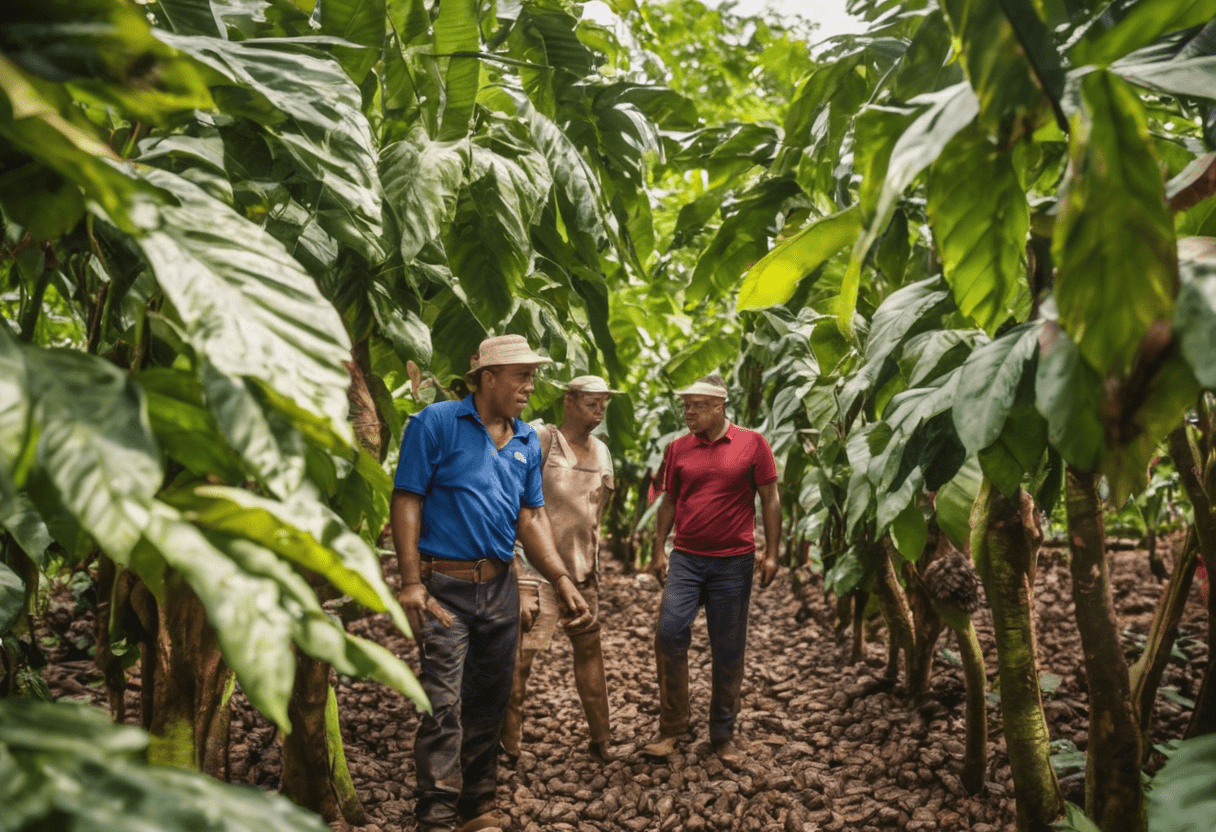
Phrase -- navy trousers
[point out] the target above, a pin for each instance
(723, 585)
(466, 673)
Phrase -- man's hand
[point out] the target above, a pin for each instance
(658, 564)
(768, 569)
(529, 605)
(578, 614)
(418, 604)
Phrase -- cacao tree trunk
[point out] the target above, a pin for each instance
(314, 764)
(1005, 540)
(190, 687)
(1113, 794)
(1145, 674)
(895, 610)
(1196, 464)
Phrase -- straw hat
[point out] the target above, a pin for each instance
(499, 350)
(703, 388)
(589, 384)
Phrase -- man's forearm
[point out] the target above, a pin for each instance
(664, 519)
(770, 505)
(536, 535)
(405, 513)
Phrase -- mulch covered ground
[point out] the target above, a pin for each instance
(830, 748)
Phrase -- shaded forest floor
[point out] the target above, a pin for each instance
(829, 748)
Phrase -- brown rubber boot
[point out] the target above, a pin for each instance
(592, 688)
(673, 692)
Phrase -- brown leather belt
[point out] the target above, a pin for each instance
(477, 571)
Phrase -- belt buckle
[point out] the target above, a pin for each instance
(477, 564)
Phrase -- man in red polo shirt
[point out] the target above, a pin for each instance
(709, 481)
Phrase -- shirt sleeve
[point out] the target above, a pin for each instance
(534, 492)
(421, 454)
(663, 481)
(764, 466)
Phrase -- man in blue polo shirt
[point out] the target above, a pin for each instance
(468, 484)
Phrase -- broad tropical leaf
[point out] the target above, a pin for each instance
(949, 111)
(995, 61)
(774, 279)
(1114, 237)
(980, 218)
(457, 33)
(1182, 797)
(309, 105)
(422, 180)
(248, 308)
(1070, 395)
(68, 763)
(1195, 313)
(1143, 23)
(989, 383)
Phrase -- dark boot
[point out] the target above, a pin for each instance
(673, 691)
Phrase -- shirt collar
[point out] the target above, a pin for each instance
(468, 409)
(726, 437)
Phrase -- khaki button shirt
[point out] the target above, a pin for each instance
(575, 499)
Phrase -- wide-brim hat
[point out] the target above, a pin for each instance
(590, 384)
(501, 350)
(703, 388)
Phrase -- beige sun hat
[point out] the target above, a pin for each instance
(498, 350)
(703, 388)
(590, 384)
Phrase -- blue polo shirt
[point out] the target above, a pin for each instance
(473, 490)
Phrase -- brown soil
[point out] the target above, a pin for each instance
(830, 747)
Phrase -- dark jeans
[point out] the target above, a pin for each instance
(466, 674)
(723, 585)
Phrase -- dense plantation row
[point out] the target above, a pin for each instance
(959, 270)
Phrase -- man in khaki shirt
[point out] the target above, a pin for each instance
(577, 479)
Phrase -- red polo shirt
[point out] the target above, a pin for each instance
(713, 486)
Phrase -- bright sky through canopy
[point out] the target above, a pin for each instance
(829, 14)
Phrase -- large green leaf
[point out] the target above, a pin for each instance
(247, 307)
(995, 61)
(1183, 796)
(246, 610)
(193, 17)
(185, 429)
(1195, 313)
(743, 238)
(313, 110)
(38, 128)
(14, 406)
(456, 31)
(1020, 445)
(422, 180)
(95, 444)
(774, 279)
(980, 218)
(1194, 77)
(700, 358)
(360, 22)
(312, 629)
(1143, 23)
(1070, 395)
(12, 597)
(304, 532)
(904, 313)
(953, 502)
(949, 111)
(67, 765)
(1114, 237)
(989, 383)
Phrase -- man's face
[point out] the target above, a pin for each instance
(587, 408)
(509, 388)
(704, 414)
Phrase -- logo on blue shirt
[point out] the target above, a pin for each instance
(521, 457)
